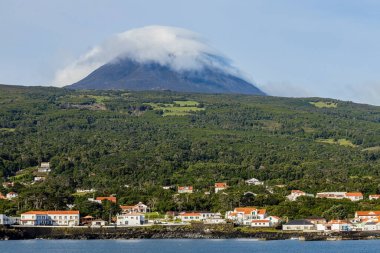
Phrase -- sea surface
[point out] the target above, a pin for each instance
(186, 245)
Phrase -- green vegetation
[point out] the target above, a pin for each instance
(108, 140)
(324, 104)
(342, 142)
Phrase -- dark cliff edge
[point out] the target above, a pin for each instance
(176, 232)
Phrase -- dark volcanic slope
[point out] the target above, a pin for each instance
(131, 75)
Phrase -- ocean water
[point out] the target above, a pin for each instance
(186, 245)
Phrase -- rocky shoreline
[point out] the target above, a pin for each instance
(176, 232)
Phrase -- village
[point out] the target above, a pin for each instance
(141, 214)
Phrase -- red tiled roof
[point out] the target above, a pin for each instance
(190, 214)
(262, 211)
(112, 199)
(245, 210)
(52, 212)
(132, 214)
(354, 194)
(126, 207)
(185, 187)
(220, 185)
(368, 213)
(297, 191)
(338, 222)
(266, 221)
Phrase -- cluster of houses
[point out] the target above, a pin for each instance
(353, 196)
(134, 215)
(219, 186)
(363, 221)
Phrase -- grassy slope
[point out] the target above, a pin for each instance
(230, 134)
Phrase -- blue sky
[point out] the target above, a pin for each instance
(326, 48)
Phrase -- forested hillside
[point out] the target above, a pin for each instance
(133, 143)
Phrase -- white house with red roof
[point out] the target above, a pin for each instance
(185, 189)
(245, 215)
(130, 219)
(271, 221)
(340, 225)
(367, 215)
(50, 218)
(197, 216)
(100, 199)
(138, 208)
(11, 195)
(374, 196)
(190, 216)
(331, 195)
(220, 187)
(354, 196)
(294, 194)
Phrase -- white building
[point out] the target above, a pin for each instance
(185, 189)
(85, 190)
(11, 195)
(331, 195)
(367, 215)
(294, 194)
(254, 181)
(220, 187)
(39, 179)
(98, 223)
(299, 225)
(260, 223)
(200, 216)
(354, 196)
(215, 219)
(50, 218)
(271, 221)
(340, 225)
(44, 168)
(130, 219)
(245, 215)
(374, 196)
(370, 226)
(188, 217)
(5, 220)
(138, 208)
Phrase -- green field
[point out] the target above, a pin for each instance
(178, 108)
(372, 149)
(342, 142)
(85, 99)
(323, 104)
(7, 129)
(186, 103)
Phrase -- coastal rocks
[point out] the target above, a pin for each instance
(195, 231)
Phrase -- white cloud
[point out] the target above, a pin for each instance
(366, 93)
(176, 47)
(285, 89)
